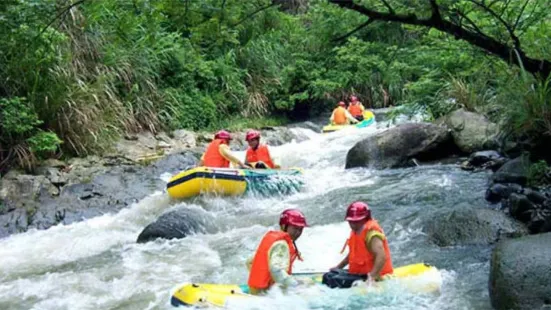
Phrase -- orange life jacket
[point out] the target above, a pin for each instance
(259, 276)
(355, 109)
(339, 116)
(213, 158)
(360, 260)
(260, 154)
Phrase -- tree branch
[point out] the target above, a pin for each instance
(64, 11)
(390, 9)
(435, 10)
(511, 32)
(475, 27)
(540, 67)
(520, 14)
(361, 26)
(254, 13)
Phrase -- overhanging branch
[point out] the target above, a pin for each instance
(254, 13)
(541, 67)
(361, 26)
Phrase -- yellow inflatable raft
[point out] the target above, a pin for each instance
(419, 278)
(369, 118)
(231, 182)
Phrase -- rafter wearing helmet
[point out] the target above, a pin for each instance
(273, 260)
(258, 155)
(341, 116)
(356, 108)
(218, 153)
(369, 253)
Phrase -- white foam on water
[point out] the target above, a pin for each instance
(96, 263)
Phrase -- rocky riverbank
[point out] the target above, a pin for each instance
(520, 274)
(63, 192)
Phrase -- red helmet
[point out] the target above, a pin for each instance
(342, 104)
(292, 217)
(358, 211)
(353, 98)
(252, 134)
(222, 134)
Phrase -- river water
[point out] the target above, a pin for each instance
(96, 264)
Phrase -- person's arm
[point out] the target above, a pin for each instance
(227, 154)
(276, 166)
(201, 161)
(362, 107)
(278, 263)
(350, 117)
(332, 118)
(343, 263)
(374, 243)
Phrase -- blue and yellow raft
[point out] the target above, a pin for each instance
(369, 118)
(232, 182)
(417, 278)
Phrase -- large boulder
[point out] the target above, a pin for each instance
(520, 273)
(471, 226)
(513, 171)
(176, 224)
(395, 147)
(471, 131)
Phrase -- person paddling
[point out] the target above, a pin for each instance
(341, 116)
(274, 257)
(369, 254)
(258, 155)
(218, 153)
(356, 108)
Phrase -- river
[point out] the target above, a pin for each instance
(96, 263)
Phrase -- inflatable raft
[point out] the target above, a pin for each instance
(369, 118)
(232, 182)
(419, 278)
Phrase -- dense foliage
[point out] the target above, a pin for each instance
(74, 75)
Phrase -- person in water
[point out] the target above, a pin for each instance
(341, 116)
(356, 108)
(369, 255)
(258, 155)
(273, 261)
(218, 153)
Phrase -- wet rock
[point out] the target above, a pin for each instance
(16, 188)
(103, 192)
(535, 196)
(519, 207)
(514, 171)
(144, 146)
(471, 131)
(395, 147)
(484, 160)
(175, 224)
(471, 226)
(480, 158)
(14, 222)
(54, 163)
(497, 192)
(520, 273)
(185, 138)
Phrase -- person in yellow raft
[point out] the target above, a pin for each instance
(369, 256)
(356, 108)
(273, 261)
(258, 155)
(218, 153)
(341, 116)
